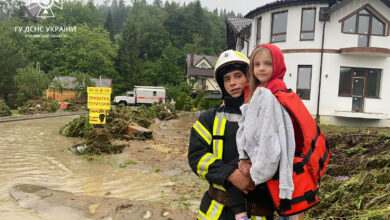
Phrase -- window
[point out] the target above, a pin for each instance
(279, 27)
(364, 23)
(304, 81)
(371, 78)
(308, 23)
(154, 93)
(204, 66)
(258, 34)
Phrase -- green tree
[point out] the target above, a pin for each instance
(31, 83)
(90, 51)
(11, 58)
(109, 26)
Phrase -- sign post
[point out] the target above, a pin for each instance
(98, 102)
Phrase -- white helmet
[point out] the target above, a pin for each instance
(228, 61)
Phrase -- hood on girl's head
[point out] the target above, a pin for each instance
(279, 68)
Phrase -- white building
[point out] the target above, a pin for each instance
(343, 43)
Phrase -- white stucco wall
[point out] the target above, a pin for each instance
(335, 39)
(330, 103)
(293, 28)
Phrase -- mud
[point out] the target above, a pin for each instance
(56, 204)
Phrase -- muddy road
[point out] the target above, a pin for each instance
(154, 172)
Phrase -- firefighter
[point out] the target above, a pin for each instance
(212, 153)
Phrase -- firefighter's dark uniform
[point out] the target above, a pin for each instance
(212, 147)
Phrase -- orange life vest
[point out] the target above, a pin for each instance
(309, 166)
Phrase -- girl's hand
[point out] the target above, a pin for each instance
(244, 166)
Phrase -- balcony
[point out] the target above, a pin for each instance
(365, 115)
(368, 51)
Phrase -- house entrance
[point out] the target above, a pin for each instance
(358, 94)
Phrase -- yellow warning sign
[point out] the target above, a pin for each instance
(97, 116)
(99, 101)
(100, 90)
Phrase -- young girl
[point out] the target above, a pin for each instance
(265, 138)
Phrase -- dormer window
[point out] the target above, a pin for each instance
(204, 66)
(364, 23)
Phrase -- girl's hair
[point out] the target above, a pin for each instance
(253, 81)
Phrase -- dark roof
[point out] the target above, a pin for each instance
(193, 71)
(341, 4)
(68, 82)
(238, 24)
(193, 59)
(33, 9)
(281, 4)
(386, 2)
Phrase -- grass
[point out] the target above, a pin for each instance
(333, 128)
(15, 112)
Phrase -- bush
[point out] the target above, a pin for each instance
(4, 109)
(205, 104)
(53, 106)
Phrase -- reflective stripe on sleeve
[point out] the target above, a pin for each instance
(229, 116)
(218, 130)
(219, 187)
(202, 216)
(215, 210)
(204, 163)
(258, 218)
(203, 132)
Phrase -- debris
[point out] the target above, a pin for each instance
(139, 131)
(81, 149)
(39, 105)
(148, 214)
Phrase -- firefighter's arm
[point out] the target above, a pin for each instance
(203, 161)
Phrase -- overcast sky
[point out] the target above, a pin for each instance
(238, 6)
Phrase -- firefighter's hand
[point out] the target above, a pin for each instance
(242, 182)
(244, 166)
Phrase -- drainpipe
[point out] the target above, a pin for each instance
(319, 84)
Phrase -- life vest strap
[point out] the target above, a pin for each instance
(325, 157)
(309, 196)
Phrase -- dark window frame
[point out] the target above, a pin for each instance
(366, 70)
(314, 26)
(258, 32)
(372, 13)
(272, 27)
(311, 76)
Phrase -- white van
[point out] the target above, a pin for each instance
(142, 95)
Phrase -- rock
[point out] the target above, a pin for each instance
(93, 207)
(148, 214)
(169, 184)
(165, 214)
(81, 149)
(139, 131)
